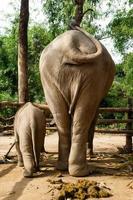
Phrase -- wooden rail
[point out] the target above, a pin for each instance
(17, 104)
(119, 110)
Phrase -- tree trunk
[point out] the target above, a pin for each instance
(77, 19)
(22, 52)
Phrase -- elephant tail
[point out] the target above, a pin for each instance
(75, 54)
(74, 99)
(75, 90)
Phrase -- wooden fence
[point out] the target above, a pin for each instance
(128, 121)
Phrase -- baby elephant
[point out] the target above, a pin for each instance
(29, 130)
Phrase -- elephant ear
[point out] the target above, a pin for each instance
(75, 54)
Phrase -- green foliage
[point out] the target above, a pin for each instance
(122, 87)
(8, 64)
(6, 113)
(128, 71)
(123, 84)
(60, 13)
(130, 2)
(121, 29)
(38, 39)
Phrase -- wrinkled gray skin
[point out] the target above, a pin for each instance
(76, 73)
(29, 130)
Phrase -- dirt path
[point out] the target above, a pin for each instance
(108, 167)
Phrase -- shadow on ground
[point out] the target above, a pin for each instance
(17, 190)
(7, 170)
(112, 164)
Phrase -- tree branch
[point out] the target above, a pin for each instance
(76, 20)
(89, 9)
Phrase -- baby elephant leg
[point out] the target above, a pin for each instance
(28, 165)
(28, 157)
(19, 155)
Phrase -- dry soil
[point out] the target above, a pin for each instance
(109, 167)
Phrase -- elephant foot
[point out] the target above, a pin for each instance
(20, 164)
(63, 166)
(28, 174)
(79, 171)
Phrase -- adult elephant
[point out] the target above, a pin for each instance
(76, 72)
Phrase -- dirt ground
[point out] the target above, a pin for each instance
(113, 169)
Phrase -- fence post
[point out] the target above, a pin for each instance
(129, 127)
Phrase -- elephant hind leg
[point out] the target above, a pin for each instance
(60, 111)
(82, 119)
(63, 124)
